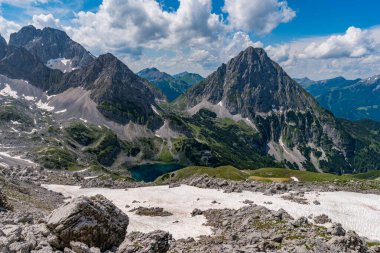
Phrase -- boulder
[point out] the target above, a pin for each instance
(196, 212)
(337, 230)
(154, 242)
(351, 242)
(4, 204)
(95, 221)
(322, 219)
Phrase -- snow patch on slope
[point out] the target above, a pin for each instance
(44, 106)
(8, 160)
(8, 92)
(62, 64)
(221, 111)
(343, 207)
(155, 110)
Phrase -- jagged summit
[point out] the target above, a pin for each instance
(51, 44)
(253, 88)
(250, 83)
(120, 95)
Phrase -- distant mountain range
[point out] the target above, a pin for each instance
(171, 86)
(63, 108)
(350, 99)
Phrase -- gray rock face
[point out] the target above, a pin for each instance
(121, 95)
(19, 63)
(251, 82)
(286, 116)
(154, 242)
(351, 242)
(336, 229)
(3, 47)
(94, 221)
(50, 44)
(322, 219)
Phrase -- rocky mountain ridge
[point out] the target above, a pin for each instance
(349, 99)
(294, 127)
(171, 86)
(118, 93)
(249, 113)
(50, 45)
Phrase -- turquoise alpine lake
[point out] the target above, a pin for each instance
(150, 172)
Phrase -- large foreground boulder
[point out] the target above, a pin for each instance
(94, 221)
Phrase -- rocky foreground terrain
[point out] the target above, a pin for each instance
(33, 219)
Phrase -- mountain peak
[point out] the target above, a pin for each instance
(148, 71)
(252, 60)
(182, 73)
(251, 83)
(50, 44)
(257, 50)
(108, 57)
(252, 53)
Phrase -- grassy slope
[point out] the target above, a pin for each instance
(224, 172)
(304, 176)
(231, 173)
(307, 176)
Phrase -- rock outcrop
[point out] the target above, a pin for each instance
(94, 221)
(294, 128)
(50, 43)
(4, 204)
(154, 242)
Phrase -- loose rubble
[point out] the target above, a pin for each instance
(152, 211)
(94, 225)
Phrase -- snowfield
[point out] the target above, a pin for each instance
(359, 212)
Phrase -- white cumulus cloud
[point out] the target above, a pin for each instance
(46, 20)
(7, 27)
(355, 43)
(258, 16)
(353, 54)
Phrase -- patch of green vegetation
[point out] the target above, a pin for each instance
(56, 158)
(370, 175)
(365, 145)
(106, 149)
(223, 172)
(212, 141)
(165, 155)
(267, 224)
(305, 176)
(295, 237)
(122, 113)
(11, 113)
(82, 134)
(373, 244)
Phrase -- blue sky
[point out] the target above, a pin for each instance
(319, 39)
